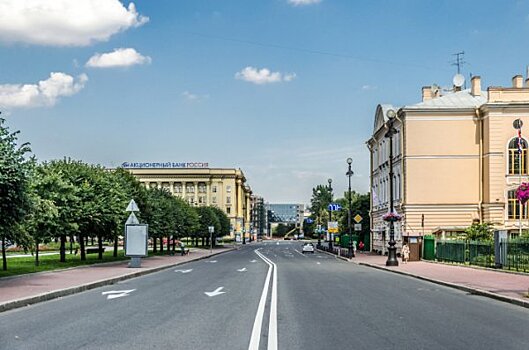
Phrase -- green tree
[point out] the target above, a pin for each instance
(480, 231)
(224, 222)
(14, 199)
(206, 218)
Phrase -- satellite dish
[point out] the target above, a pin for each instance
(458, 80)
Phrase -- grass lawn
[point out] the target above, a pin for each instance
(23, 265)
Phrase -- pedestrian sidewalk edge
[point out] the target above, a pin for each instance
(475, 291)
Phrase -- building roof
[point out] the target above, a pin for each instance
(459, 99)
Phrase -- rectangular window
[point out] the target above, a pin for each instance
(228, 200)
(228, 189)
(202, 188)
(202, 200)
(214, 189)
(190, 188)
(515, 207)
(178, 187)
(214, 200)
(228, 210)
(515, 158)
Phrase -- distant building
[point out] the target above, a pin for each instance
(286, 213)
(201, 186)
(456, 162)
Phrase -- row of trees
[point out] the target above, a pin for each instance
(68, 199)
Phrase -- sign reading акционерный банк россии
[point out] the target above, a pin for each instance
(164, 165)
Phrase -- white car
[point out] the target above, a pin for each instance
(308, 248)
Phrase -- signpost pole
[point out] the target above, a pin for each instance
(211, 229)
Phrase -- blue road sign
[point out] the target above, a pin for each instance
(334, 207)
(309, 220)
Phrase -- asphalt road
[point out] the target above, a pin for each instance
(310, 302)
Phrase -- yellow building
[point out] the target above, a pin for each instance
(455, 162)
(200, 185)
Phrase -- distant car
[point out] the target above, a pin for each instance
(308, 248)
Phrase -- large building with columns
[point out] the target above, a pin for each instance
(455, 161)
(200, 185)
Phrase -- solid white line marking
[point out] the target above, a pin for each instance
(184, 271)
(212, 261)
(215, 292)
(258, 322)
(319, 263)
(272, 325)
(242, 270)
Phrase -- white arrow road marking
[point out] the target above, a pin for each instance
(252, 261)
(113, 294)
(319, 263)
(215, 292)
(212, 261)
(242, 270)
(184, 271)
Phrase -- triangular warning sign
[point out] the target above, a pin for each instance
(132, 206)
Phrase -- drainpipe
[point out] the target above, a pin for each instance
(480, 127)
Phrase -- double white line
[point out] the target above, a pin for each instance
(272, 325)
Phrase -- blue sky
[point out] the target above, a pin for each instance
(183, 94)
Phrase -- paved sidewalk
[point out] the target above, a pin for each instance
(503, 286)
(32, 288)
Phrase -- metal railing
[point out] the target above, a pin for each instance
(336, 251)
(481, 253)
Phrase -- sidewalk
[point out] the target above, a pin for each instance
(509, 287)
(33, 288)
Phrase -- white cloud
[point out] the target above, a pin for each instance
(303, 2)
(117, 58)
(263, 76)
(369, 87)
(65, 22)
(44, 93)
(193, 97)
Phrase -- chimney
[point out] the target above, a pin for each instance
(517, 81)
(427, 93)
(475, 85)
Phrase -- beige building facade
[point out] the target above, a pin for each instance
(455, 162)
(226, 189)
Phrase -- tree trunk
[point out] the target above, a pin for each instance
(71, 244)
(82, 246)
(174, 245)
(161, 245)
(202, 241)
(154, 246)
(207, 241)
(100, 246)
(115, 247)
(63, 249)
(36, 253)
(4, 258)
(168, 245)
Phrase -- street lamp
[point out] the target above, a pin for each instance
(349, 173)
(330, 215)
(392, 250)
(318, 227)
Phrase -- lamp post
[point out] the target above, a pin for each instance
(349, 173)
(330, 215)
(392, 250)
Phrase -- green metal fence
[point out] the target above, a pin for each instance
(481, 253)
(517, 255)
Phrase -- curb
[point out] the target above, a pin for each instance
(336, 256)
(18, 303)
(470, 290)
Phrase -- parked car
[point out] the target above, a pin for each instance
(308, 248)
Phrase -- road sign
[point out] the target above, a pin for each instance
(358, 227)
(132, 206)
(358, 218)
(334, 207)
(333, 226)
(132, 220)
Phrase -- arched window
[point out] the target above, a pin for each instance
(517, 159)
(515, 208)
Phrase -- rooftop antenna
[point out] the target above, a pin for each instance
(459, 79)
(459, 62)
